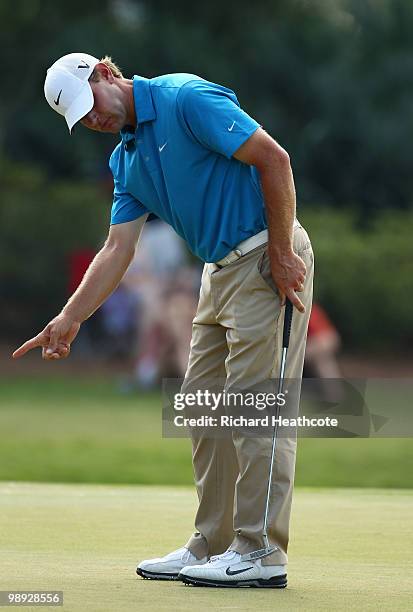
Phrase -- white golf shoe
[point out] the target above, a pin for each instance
(168, 567)
(229, 570)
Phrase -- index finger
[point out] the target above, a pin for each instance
(293, 297)
(38, 340)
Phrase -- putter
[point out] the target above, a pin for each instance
(268, 550)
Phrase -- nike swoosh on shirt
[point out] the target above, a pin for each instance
(234, 572)
(58, 98)
(231, 128)
(162, 147)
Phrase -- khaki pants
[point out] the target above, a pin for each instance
(237, 335)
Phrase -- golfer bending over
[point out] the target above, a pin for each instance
(192, 156)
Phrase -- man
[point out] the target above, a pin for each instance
(189, 154)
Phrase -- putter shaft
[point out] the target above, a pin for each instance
(286, 340)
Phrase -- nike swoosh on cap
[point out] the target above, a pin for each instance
(234, 572)
(58, 98)
(84, 65)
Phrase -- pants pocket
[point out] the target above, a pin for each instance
(264, 272)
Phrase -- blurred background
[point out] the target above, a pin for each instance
(332, 81)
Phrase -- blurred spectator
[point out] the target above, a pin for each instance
(79, 261)
(90, 332)
(165, 287)
(180, 302)
(119, 318)
(323, 343)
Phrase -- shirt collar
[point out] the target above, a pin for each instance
(144, 108)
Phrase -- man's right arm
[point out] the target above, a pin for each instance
(101, 279)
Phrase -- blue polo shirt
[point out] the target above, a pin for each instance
(178, 164)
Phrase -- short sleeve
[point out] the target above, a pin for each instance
(213, 116)
(125, 206)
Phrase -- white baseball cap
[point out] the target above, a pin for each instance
(67, 88)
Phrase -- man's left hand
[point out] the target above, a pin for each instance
(288, 272)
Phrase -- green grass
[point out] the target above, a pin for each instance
(77, 430)
(350, 549)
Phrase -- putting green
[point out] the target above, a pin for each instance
(351, 549)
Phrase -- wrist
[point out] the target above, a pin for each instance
(68, 312)
(280, 253)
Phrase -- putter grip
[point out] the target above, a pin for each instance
(288, 317)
